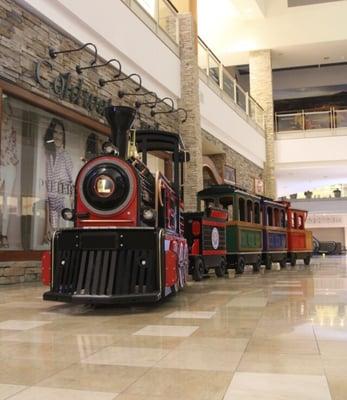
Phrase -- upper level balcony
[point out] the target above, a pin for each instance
(296, 125)
(220, 80)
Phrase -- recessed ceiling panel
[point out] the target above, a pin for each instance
(298, 3)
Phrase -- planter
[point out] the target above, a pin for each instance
(337, 193)
(308, 194)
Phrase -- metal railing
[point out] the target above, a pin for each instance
(215, 70)
(162, 12)
(304, 121)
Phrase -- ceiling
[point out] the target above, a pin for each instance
(307, 177)
(297, 36)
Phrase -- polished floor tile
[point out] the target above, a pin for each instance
(203, 359)
(128, 356)
(281, 363)
(247, 302)
(276, 335)
(192, 314)
(261, 386)
(21, 325)
(36, 393)
(9, 390)
(181, 384)
(94, 377)
(166, 330)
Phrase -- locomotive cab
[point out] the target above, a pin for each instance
(127, 244)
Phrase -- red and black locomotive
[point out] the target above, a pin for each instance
(127, 243)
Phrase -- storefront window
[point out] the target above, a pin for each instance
(41, 155)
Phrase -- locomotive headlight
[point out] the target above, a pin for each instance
(104, 186)
(148, 214)
(67, 214)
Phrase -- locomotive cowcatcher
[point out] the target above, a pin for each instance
(127, 243)
(206, 236)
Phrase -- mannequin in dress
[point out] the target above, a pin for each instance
(8, 167)
(59, 169)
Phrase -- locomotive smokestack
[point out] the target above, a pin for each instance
(120, 119)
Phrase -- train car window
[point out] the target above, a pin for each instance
(293, 225)
(256, 213)
(249, 211)
(300, 222)
(269, 215)
(242, 209)
(230, 209)
(282, 219)
(276, 217)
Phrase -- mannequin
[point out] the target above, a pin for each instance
(8, 168)
(59, 169)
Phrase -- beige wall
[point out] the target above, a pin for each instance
(329, 234)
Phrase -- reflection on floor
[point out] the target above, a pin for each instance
(268, 336)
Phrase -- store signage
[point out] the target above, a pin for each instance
(73, 92)
(258, 186)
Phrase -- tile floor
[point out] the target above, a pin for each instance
(267, 336)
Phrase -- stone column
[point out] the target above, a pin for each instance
(191, 129)
(260, 76)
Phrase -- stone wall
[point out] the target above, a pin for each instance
(246, 171)
(19, 272)
(191, 129)
(25, 39)
(260, 76)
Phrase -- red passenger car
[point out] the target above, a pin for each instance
(127, 243)
(300, 242)
(206, 236)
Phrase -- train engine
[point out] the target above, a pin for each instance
(127, 243)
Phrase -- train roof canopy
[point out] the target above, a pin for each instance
(217, 191)
(152, 139)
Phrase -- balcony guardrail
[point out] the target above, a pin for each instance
(210, 64)
(303, 121)
(162, 13)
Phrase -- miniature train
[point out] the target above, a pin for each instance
(258, 231)
(131, 240)
(127, 244)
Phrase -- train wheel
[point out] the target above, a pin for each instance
(307, 260)
(256, 266)
(240, 266)
(283, 263)
(268, 263)
(221, 269)
(199, 269)
(293, 260)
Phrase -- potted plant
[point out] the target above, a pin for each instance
(337, 192)
(308, 194)
(293, 196)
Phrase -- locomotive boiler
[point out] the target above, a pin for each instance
(127, 244)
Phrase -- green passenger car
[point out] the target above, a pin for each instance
(244, 227)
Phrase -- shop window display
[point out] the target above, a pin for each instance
(41, 155)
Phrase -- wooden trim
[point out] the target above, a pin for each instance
(17, 255)
(52, 106)
(245, 224)
(275, 228)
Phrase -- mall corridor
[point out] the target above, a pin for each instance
(277, 335)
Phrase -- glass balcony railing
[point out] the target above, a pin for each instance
(163, 14)
(220, 76)
(306, 121)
